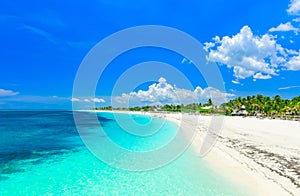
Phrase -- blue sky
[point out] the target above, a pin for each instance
(43, 44)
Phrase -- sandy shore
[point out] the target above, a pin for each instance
(260, 154)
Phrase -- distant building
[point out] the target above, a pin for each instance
(241, 112)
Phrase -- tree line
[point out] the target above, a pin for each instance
(254, 105)
(264, 105)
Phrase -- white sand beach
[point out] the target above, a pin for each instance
(261, 154)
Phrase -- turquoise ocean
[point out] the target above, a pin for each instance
(41, 153)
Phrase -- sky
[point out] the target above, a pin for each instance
(253, 43)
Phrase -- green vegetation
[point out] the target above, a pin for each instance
(258, 105)
(264, 105)
(189, 108)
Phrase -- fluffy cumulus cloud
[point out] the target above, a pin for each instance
(294, 62)
(249, 55)
(294, 7)
(4, 93)
(285, 27)
(261, 76)
(165, 93)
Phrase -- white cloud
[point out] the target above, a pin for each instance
(285, 27)
(165, 93)
(210, 92)
(288, 87)
(235, 82)
(161, 92)
(123, 99)
(260, 57)
(294, 62)
(261, 76)
(41, 33)
(73, 99)
(86, 100)
(98, 100)
(4, 93)
(208, 45)
(294, 7)
(296, 19)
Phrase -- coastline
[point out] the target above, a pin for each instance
(259, 154)
(262, 155)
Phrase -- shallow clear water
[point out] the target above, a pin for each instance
(41, 153)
